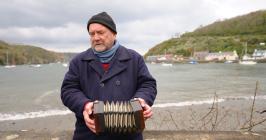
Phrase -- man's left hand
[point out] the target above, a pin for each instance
(147, 110)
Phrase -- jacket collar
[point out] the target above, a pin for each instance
(117, 64)
(122, 54)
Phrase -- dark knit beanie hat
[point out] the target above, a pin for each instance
(104, 19)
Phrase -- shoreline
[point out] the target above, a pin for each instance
(185, 122)
(187, 61)
(229, 115)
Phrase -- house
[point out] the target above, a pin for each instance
(200, 55)
(178, 58)
(259, 54)
(152, 58)
(220, 56)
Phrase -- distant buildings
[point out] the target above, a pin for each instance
(160, 58)
(206, 56)
(220, 56)
(199, 56)
(152, 58)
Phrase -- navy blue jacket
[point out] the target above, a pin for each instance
(128, 77)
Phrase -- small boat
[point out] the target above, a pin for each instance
(65, 64)
(167, 64)
(246, 59)
(36, 66)
(7, 64)
(228, 62)
(193, 62)
(247, 62)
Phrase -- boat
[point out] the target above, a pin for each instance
(193, 62)
(246, 59)
(167, 64)
(7, 65)
(65, 64)
(247, 62)
(36, 66)
(228, 62)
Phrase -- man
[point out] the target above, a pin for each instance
(105, 72)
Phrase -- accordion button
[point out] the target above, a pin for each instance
(102, 84)
(117, 82)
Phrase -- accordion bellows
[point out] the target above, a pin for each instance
(118, 117)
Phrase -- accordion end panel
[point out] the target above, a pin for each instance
(118, 117)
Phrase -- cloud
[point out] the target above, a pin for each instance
(61, 25)
(70, 32)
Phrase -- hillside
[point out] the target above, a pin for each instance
(227, 35)
(26, 54)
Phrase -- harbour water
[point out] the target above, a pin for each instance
(30, 92)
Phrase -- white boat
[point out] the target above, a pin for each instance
(7, 65)
(246, 59)
(228, 62)
(36, 66)
(167, 64)
(65, 64)
(247, 62)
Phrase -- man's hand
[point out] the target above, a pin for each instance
(88, 120)
(147, 111)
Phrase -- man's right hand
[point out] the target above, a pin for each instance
(86, 114)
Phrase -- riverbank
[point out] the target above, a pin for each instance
(188, 61)
(221, 120)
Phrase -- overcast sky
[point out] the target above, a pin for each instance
(141, 24)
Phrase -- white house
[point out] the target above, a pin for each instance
(222, 56)
(262, 43)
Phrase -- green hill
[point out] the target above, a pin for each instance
(26, 54)
(227, 35)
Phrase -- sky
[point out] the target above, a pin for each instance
(141, 24)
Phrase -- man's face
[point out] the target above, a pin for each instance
(101, 37)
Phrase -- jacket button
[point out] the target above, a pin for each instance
(117, 82)
(102, 84)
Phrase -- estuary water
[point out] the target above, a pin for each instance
(30, 92)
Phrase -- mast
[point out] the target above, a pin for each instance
(246, 45)
(6, 57)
